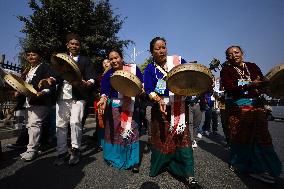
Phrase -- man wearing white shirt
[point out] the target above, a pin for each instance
(37, 106)
(71, 103)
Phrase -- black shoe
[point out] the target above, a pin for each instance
(60, 160)
(16, 146)
(146, 149)
(232, 168)
(215, 132)
(135, 168)
(191, 183)
(108, 163)
(99, 149)
(75, 156)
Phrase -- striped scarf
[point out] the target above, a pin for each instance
(127, 104)
(177, 123)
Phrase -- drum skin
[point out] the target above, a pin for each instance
(189, 79)
(19, 85)
(66, 67)
(126, 83)
(276, 81)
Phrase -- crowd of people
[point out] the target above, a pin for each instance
(166, 115)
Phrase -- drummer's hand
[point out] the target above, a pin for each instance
(87, 84)
(256, 83)
(16, 94)
(40, 94)
(43, 83)
(51, 81)
(101, 106)
(162, 106)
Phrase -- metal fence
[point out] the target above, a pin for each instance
(6, 101)
(9, 65)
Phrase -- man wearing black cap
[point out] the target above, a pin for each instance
(71, 102)
(37, 106)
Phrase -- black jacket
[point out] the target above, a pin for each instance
(43, 72)
(87, 71)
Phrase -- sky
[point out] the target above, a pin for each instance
(197, 30)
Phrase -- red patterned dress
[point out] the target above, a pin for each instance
(251, 148)
(171, 150)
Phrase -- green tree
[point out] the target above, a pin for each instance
(144, 65)
(52, 20)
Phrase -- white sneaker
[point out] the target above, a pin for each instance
(23, 154)
(199, 135)
(194, 144)
(29, 156)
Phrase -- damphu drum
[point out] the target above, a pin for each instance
(19, 84)
(66, 67)
(126, 83)
(276, 81)
(189, 79)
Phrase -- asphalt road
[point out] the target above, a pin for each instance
(92, 172)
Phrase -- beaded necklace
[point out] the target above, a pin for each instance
(162, 70)
(244, 74)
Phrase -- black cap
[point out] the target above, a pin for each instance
(33, 49)
(71, 36)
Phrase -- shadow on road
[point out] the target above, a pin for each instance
(217, 150)
(9, 157)
(149, 185)
(42, 174)
(256, 184)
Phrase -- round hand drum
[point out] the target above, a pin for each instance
(276, 84)
(66, 67)
(126, 83)
(189, 79)
(19, 85)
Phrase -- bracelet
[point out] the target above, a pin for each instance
(152, 95)
(155, 97)
(158, 99)
(104, 97)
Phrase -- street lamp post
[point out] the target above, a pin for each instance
(135, 54)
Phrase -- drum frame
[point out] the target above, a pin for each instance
(19, 84)
(178, 78)
(68, 76)
(119, 81)
(276, 78)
